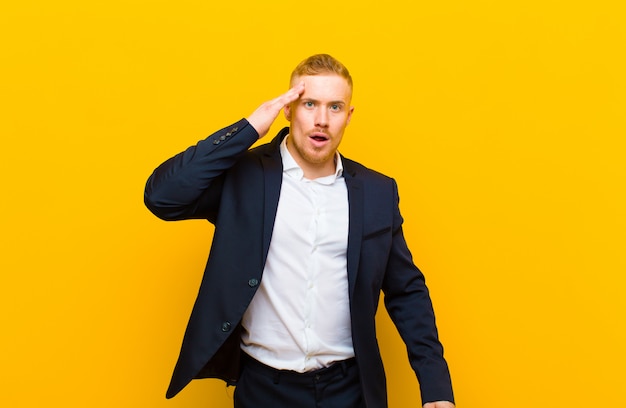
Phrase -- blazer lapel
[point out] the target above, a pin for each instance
(355, 228)
(273, 178)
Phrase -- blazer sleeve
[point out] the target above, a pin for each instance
(189, 184)
(409, 305)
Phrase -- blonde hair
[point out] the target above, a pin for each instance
(320, 64)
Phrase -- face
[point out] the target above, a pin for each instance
(318, 119)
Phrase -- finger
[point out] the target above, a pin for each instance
(291, 95)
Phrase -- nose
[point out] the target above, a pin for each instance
(321, 117)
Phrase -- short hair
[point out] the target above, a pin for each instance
(320, 64)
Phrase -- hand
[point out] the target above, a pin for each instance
(262, 118)
(439, 404)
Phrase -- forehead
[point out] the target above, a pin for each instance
(325, 87)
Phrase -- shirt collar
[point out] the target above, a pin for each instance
(291, 168)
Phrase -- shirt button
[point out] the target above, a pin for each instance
(253, 282)
(226, 326)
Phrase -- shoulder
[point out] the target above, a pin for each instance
(268, 149)
(358, 170)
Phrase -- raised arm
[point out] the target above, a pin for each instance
(188, 185)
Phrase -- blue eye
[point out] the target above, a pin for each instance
(308, 104)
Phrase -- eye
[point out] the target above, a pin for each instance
(308, 104)
(335, 108)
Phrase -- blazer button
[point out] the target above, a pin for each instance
(226, 326)
(253, 282)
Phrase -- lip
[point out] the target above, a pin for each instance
(319, 139)
(319, 136)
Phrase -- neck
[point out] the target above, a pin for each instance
(313, 171)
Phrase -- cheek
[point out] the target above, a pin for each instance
(300, 116)
(341, 123)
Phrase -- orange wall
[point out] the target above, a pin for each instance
(503, 122)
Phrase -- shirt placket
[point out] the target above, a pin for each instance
(311, 341)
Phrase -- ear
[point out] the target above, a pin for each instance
(350, 114)
(287, 112)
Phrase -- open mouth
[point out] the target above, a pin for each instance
(319, 137)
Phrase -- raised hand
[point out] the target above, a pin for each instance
(263, 117)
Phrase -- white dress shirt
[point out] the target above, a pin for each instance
(299, 318)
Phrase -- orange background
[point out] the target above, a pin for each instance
(503, 122)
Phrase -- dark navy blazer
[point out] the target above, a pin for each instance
(237, 189)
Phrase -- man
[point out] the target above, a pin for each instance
(305, 239)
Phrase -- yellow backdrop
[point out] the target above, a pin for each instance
(503, 122)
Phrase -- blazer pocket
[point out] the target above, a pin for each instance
(377, 233)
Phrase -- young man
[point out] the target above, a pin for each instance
(305, 239)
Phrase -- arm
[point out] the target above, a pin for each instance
(189, 184)
(408, 302)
